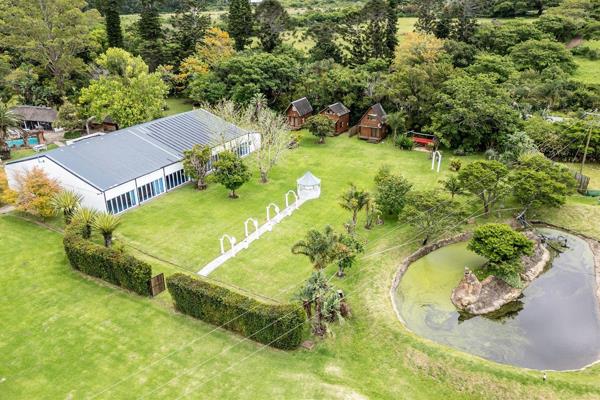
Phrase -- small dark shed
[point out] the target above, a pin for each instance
(340, 114)
(372, 126)
(34, 117)
(297, 112)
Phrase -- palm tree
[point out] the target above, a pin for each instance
(106, 224)
(373, 213)
(85, 217)
(8, 119)
(354, 200)
(66, 203)
(317, 287)
(319, 247)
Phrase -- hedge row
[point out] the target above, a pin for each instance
(278, 325)
(108, 264)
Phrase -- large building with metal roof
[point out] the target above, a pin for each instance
(121, 170)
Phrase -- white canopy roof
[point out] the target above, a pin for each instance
(309, 180)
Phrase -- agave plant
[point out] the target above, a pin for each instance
(66, 203)
(106, 224)
(86, 217)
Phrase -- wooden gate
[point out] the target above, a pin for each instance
(157, 284)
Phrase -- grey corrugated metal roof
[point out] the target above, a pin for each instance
(302, 106)
(339, 109)
(115, 158)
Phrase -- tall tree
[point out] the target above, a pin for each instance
(126, 91)
(240, 22)
(196, 163)
(272, 20)
(231, 172)
(325, 46)
(485, 179)
(354, 200)
(189, 25)
(112, 19)
(392, 27)
(151, 34)
(51, 33)
(8, 120)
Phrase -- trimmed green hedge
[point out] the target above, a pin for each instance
(108, 264)
(278, 325)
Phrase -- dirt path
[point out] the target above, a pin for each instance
(575, 42)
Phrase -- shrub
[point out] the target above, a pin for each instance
(391, 191)
(72, 135)
(455, 164)
(404, 142)
(113, 266)
(278, 325)
(35, 191)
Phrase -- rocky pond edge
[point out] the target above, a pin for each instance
(594, 245)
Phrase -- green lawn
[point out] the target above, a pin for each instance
(26, 152)
(588, 71)
(67, 336)
(176, 105)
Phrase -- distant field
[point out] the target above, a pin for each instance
(588, 71)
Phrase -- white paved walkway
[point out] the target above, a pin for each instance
(244, 244)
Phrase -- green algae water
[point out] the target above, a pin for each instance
(555, 325)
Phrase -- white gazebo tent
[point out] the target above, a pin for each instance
(309, 187)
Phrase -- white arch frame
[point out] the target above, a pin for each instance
(287, 199)
(436, 156)
(231, 240)
(254, 222)
(277, 211)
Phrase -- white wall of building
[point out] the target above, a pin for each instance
(91, 197)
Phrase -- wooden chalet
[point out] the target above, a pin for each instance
(297, 112)
(339, 114)
(372, 126)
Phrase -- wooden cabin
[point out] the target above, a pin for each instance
(339, 114)
(372, 126)
(297, 112)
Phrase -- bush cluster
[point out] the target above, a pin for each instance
(111, 265)
(278, 325)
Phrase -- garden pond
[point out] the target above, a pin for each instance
(555, 325)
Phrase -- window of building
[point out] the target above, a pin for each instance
(175, 179)
(151, 190)
(243, 149)
(121, 203)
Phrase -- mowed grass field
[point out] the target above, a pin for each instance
(588, 71)
(65, 335)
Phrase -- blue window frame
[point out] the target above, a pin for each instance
(121, 202)
(177, 178)
(151, 190)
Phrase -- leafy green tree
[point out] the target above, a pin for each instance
(8, 120)
(112, 20)
(391, 191)
(69, 116)
(272, 20)
(85, 216)
(348, 249)
(373, 213)
(106, 224)
(485, 179)
(516, 145)
(190, 25)
(391, 33)
(319, 247)
(500, 67)
(128, 93)
(538, 182)
(432, 214)
(473, 113)
(453, 186)
(562, 27)
(51, 33)
(66, 202)
(151, 34)
(196, 164)
(240, 22)
(397, 121)
(462, 54)
(503, 247)
(500, 38)
(34, 193)
(230, 171)
(541, 54)
(325, 46)
(354, 200)
(320, 126)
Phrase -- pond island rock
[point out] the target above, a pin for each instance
(482, 297)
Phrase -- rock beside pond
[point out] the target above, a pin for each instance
(482, 297)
